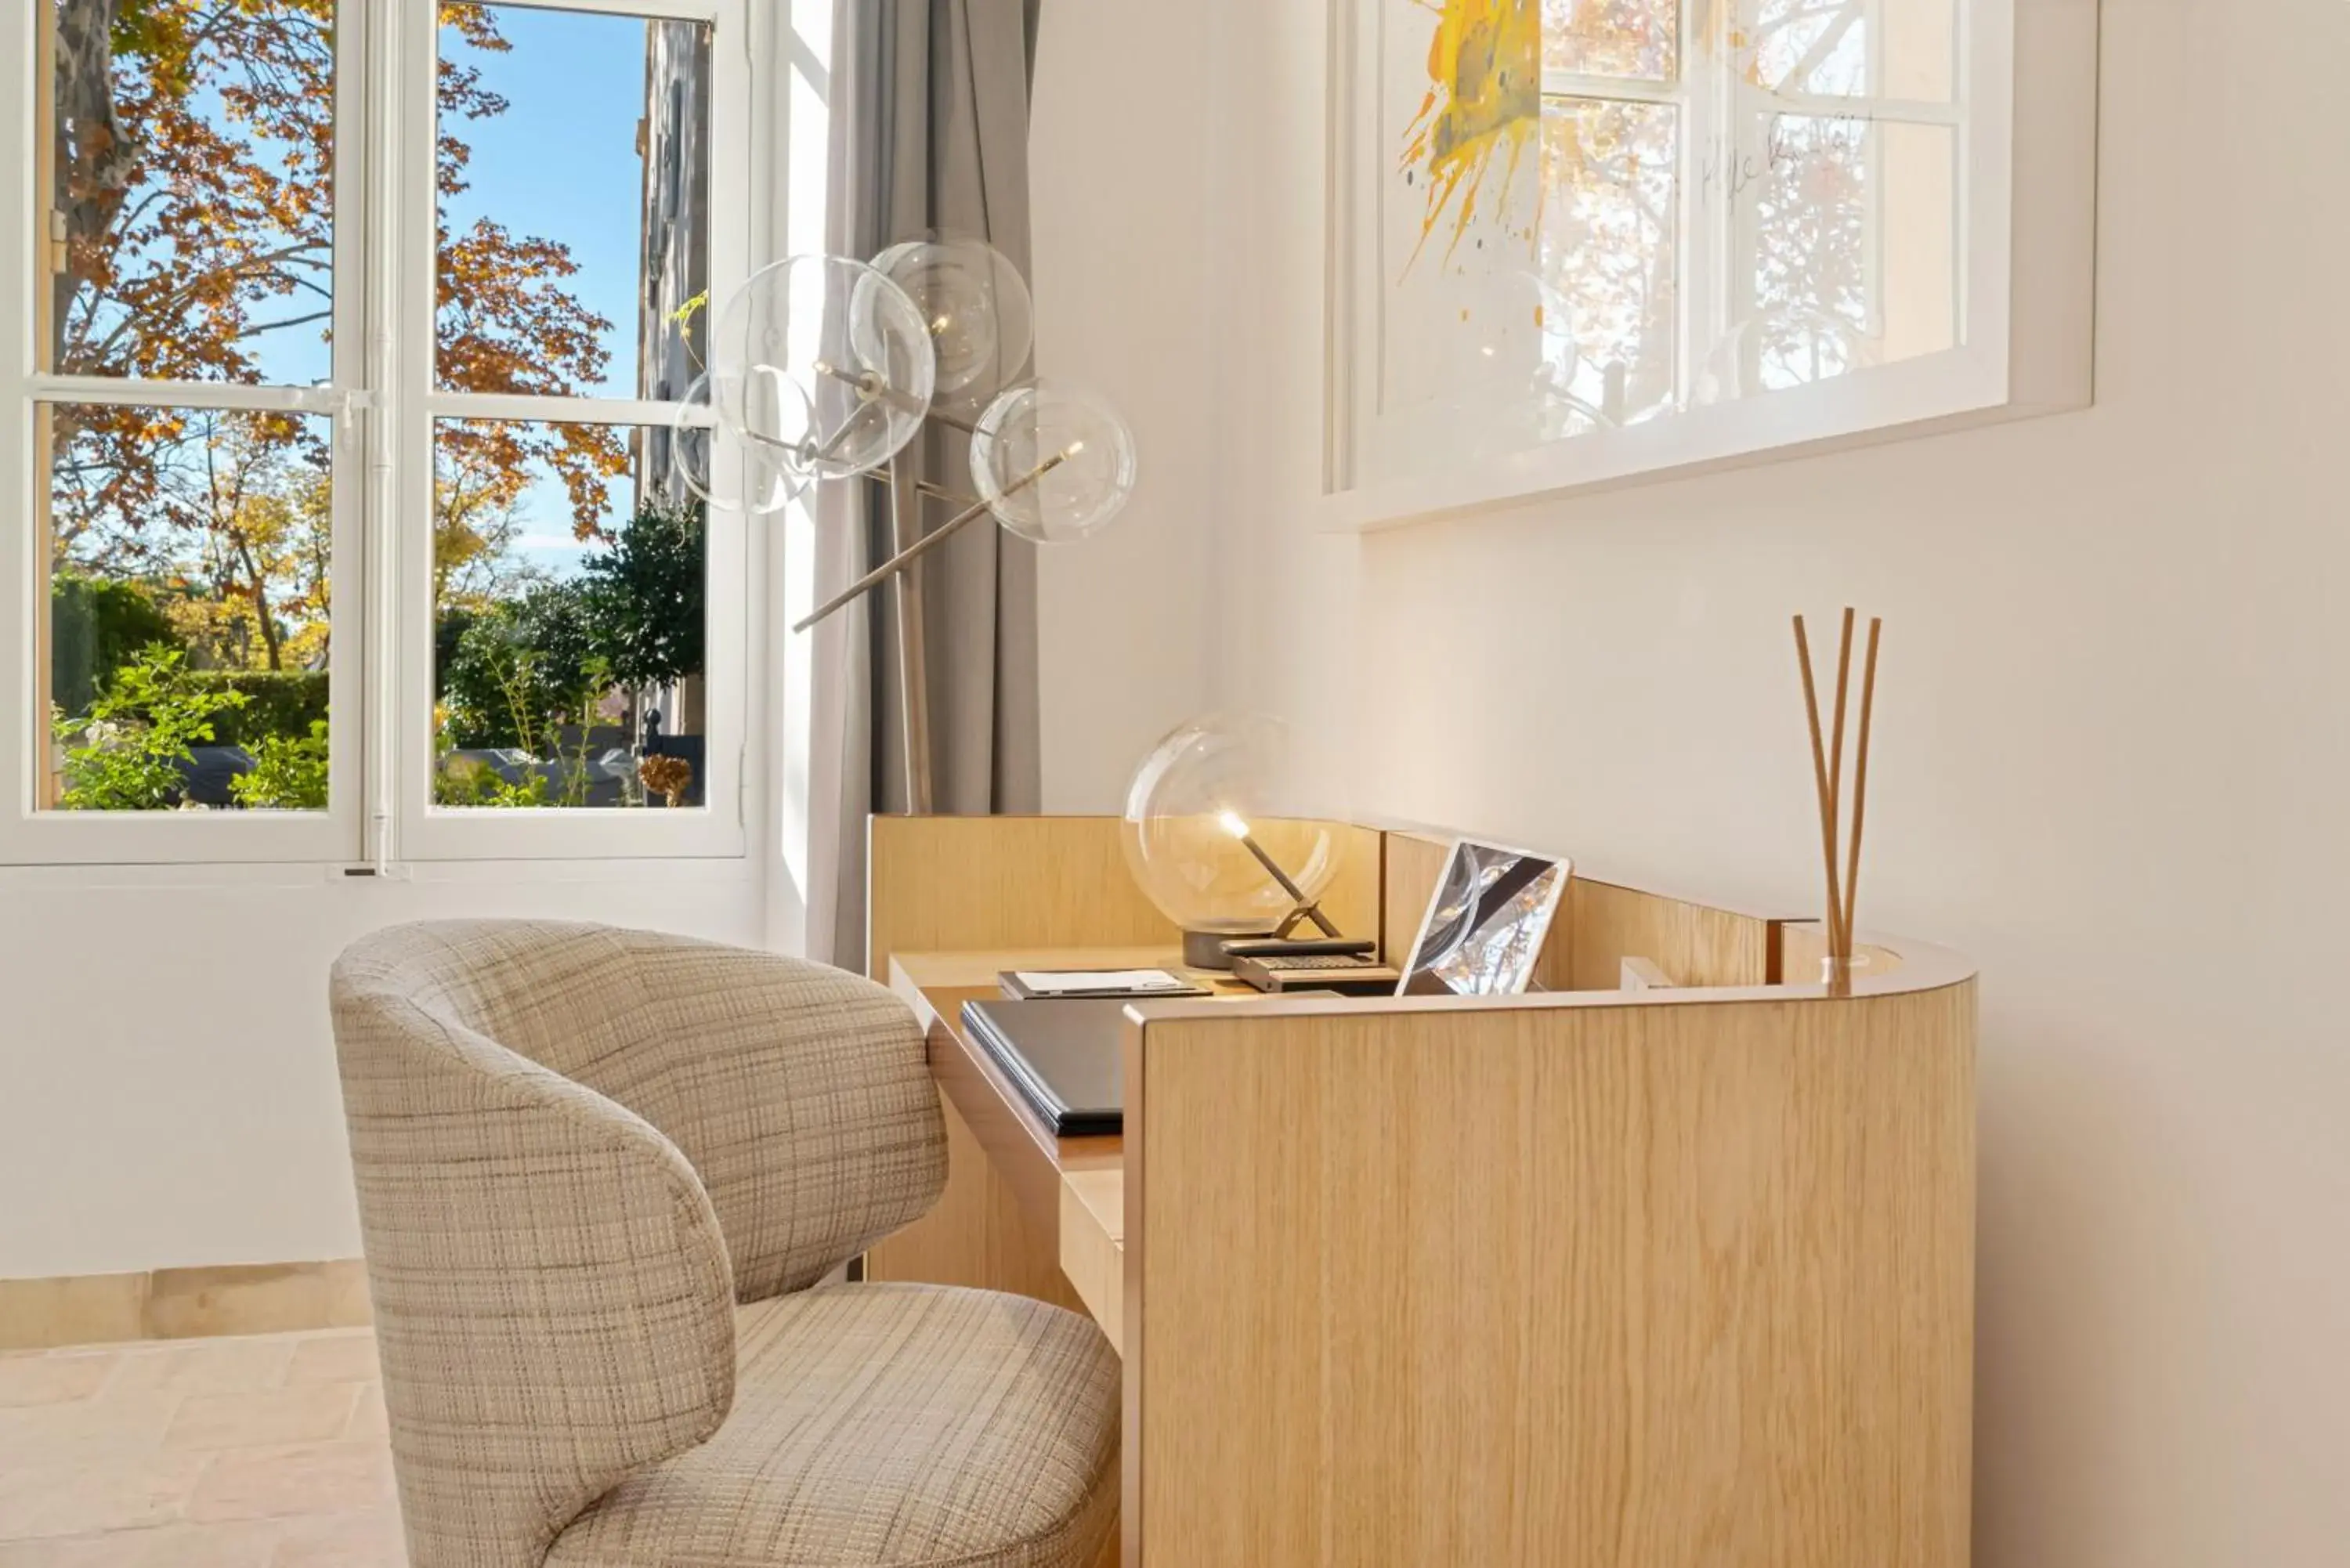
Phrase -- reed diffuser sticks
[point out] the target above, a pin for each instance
(1828, 774)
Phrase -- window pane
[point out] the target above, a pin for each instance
(1608, 252)
(191, 169)
(1854, 249)
(574, 214)
(569, 586)
(1635, 38)
(186, 639)
(1903, 49)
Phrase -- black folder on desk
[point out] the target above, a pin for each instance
(1062, 1055)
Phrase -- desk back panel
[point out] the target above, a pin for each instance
(1598, 926)
(1696, 945)
(955, 883)
(1576, 1285)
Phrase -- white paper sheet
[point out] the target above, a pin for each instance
(1052, 982)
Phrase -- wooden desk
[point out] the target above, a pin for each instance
(1070, 1191)
(1678, 1277)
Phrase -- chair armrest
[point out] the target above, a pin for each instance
(553, 1300)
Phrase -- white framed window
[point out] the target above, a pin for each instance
(343, 497)
(1581, 243)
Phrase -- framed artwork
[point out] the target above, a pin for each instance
(1581, 243)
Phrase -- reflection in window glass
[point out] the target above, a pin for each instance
(1608, 254)
(1640, 39)
(574, 214)
(1903, 49)
(186, 637)
(193, 191)
(569, 570)
(1855, 249)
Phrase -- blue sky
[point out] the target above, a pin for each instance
(561, 162)
(561, 165)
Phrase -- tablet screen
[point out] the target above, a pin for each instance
(1486, 922)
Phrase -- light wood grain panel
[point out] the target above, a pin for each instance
(1695, 944)
(944, 884)
(940, 884)
(1592, 1286)
(997, 1223)
(1092, 1228)
(1414, 862)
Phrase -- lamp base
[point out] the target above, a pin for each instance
(1205, 950)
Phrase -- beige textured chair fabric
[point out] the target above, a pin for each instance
(895, 1426)
(552, 1297)
(800, 1095)
(576, 1150)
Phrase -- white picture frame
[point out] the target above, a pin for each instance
(2023, 272)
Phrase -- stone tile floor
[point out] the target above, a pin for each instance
(265, 1451)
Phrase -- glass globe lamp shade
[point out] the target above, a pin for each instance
(720, 467)
(824, 364)
(975, 306)
(1054, 463)
(1210, 804)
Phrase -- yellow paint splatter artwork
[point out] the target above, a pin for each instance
(1484, 98)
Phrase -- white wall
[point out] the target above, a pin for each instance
(2114, 724)
(1124, 235)
(167, 1079)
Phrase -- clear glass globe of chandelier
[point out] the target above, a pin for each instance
(1054, 463)
(722, 468)
(1211, 803)
(825, 363)
(976, 307)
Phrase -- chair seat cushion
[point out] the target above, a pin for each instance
(905, 1426)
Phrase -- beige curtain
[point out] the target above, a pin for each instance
(930, 132)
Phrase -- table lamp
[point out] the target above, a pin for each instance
(1218, 837)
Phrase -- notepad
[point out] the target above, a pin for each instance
(1036, 983)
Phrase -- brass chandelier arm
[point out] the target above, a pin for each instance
(928, 543)
(872, 388)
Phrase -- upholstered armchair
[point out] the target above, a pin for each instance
(600, 1176)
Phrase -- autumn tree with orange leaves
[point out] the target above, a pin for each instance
(193, 178)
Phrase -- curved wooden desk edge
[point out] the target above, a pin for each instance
(1923, 967)
(1412, 1279)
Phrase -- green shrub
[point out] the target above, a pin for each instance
(647, 594)
(96, 625)
(125, 754)
(281, 703)
(522, 668)
(464, 782)
(289, 773)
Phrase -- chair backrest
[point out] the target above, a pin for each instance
(575, 1148)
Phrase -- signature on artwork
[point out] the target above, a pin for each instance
(1839, 140)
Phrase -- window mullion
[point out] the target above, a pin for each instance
(561, 410)
(1633, 90)
(1833, 106)
(227, 396)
